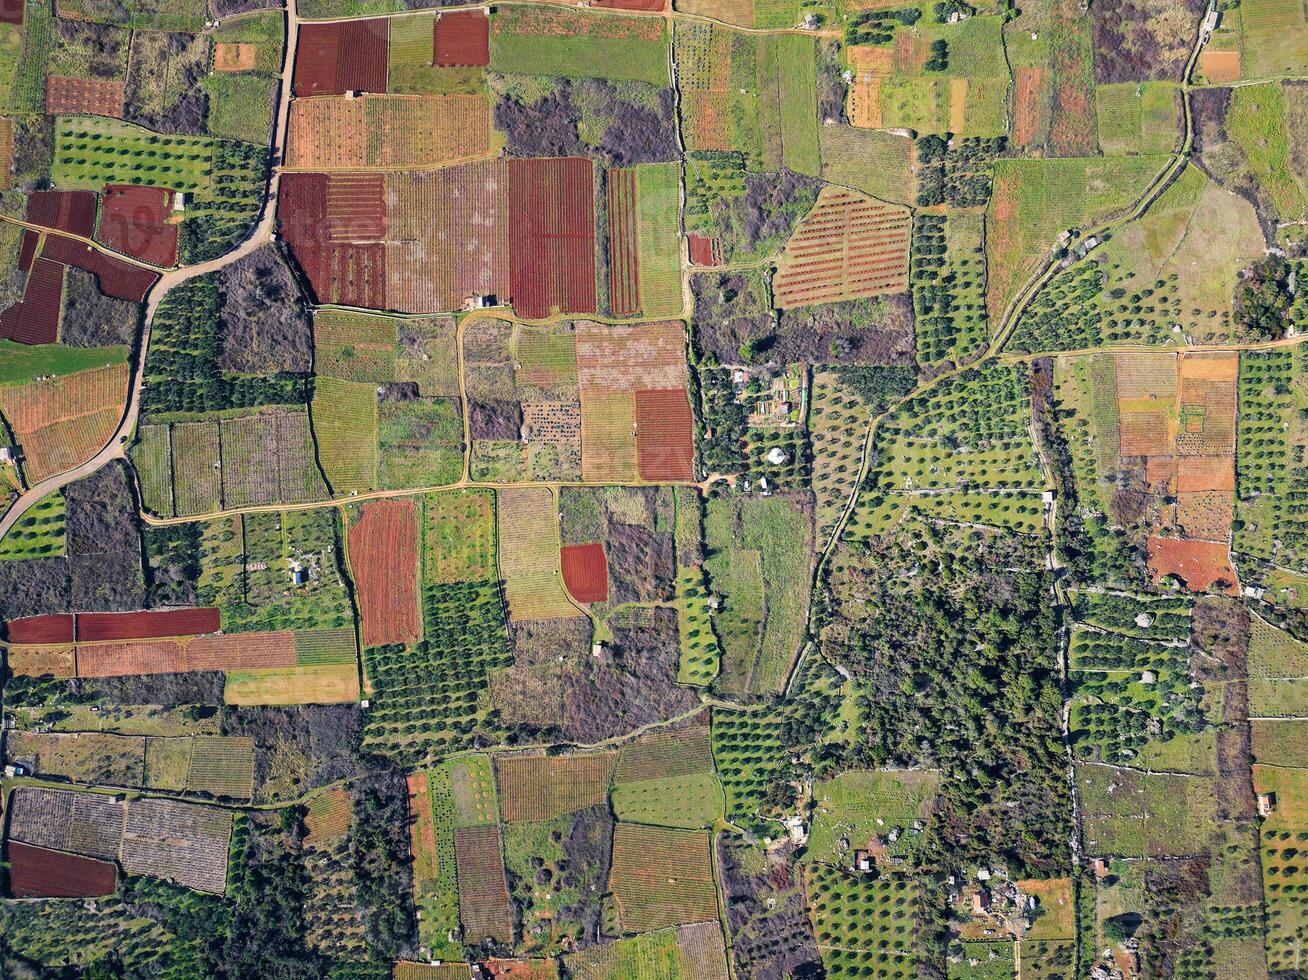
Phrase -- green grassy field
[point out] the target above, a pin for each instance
(28, 91)
(420, 443)
(1256, 122)
(649, 956)
(458, 538)
(153, 458)
(1034, 200)
(700, 655)
(264, 30)
(1273, 38)
(21, 363)
(856, 806)
(984, 961)
(1137, 118)
(39, 533)
(759, 554)
(91, 151)
(1134, 814)
(435, 885)
(240, 106)
(658, 198)
(870, 160)
(574, 48)
(787, 99)
(690, 801)
(344, 417)
(11, 53)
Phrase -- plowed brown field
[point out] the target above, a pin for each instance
(384, 556)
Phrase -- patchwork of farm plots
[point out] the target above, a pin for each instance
(485, 374)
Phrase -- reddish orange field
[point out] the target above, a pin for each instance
(384, 555)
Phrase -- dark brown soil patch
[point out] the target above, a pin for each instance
(497, 419)
(92, 319)
(770, 933)
(632, 683)
(640, 564)
(1139, 40)
(265, 318)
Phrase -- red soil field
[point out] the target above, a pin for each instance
(70, 211)
(585, 571)
(704, 250)
(83, 96)
(11, 11)
(133, 222)
(146, 625)
(552, 236)
(27, 251)
(35, 872)
(348, 56)
(624, 272)
(1200, 473)
(232, 651)
(664, 435)
(356, 207)
(462, 40)
(1026, 117)
(116, 277)
(1202, 565)
(384, 555)
(57, 628)
(35, 318)
(338, 271)
(131, 657)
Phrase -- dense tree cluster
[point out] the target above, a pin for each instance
(1263, 298)
(952, 645)
(955, 171)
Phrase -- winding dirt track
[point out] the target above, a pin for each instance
(116, 447)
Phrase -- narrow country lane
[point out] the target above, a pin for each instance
(116, 447)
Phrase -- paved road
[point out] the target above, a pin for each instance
(116, 447)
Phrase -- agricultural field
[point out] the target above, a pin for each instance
(947, 275)
(1101, 300)
(998, 482)
(753, 95)
(661, 877)
(529, 555)
(263, 457)
(561, 42)
(668, 780)
(846, 933)
(934, 78)
(540, 788)
(759, 562)
(847, 247)
(383, 547)
(1034, 201)
(40, 534)
(657, 489)
(63, 421)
